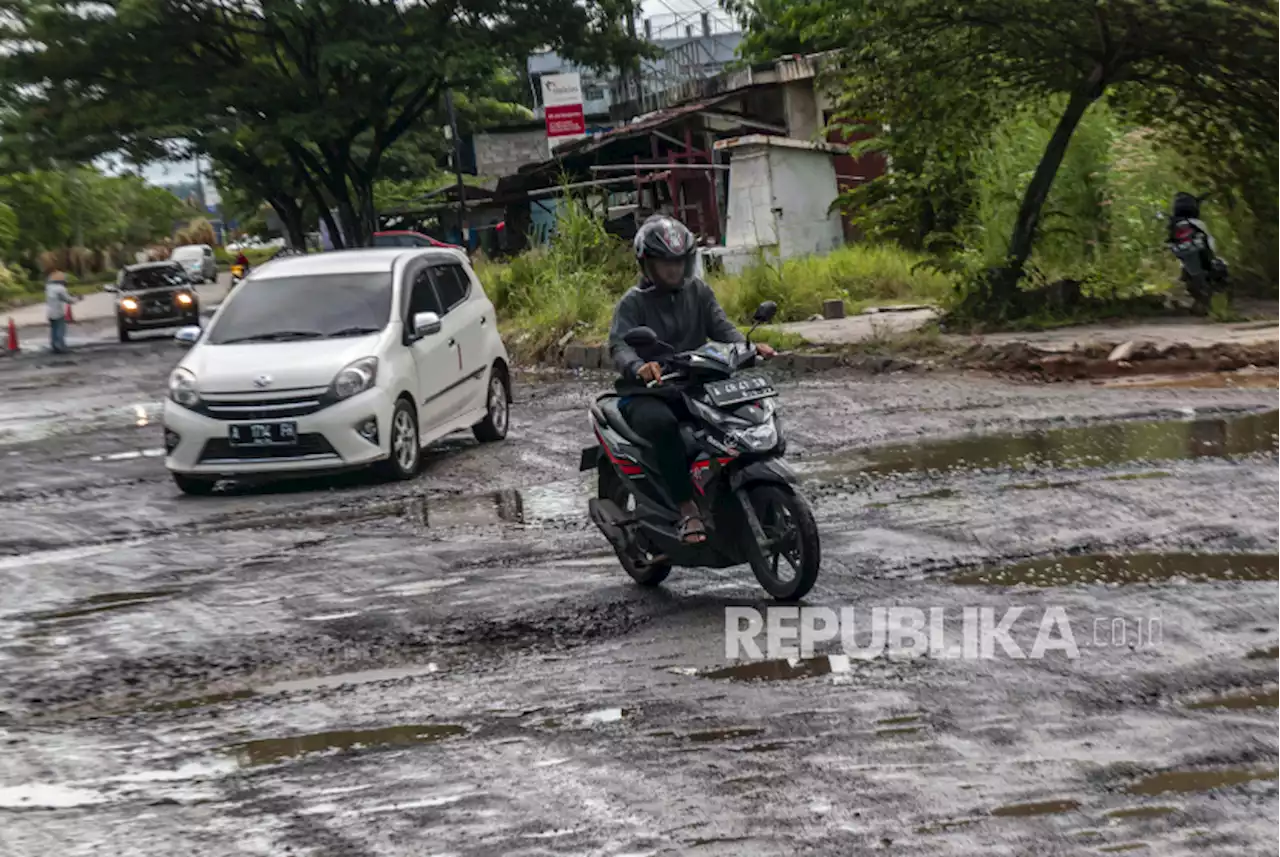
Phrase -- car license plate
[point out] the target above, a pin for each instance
(263, 434)
(735, 391)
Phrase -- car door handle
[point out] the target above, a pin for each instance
(452, 343)
(482, 321)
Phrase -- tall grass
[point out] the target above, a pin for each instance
(860, 274)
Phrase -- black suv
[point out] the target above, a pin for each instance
(153, 295)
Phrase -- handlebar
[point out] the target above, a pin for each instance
(667, 377)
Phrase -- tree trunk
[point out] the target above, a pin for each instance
(290, 214)
(1005, 285)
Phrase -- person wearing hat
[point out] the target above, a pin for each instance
(56, 300)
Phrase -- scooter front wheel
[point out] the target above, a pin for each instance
(787, 564)
(609, 486)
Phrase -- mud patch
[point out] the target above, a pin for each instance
(1197, 781)
(1203, 381)
(1268, 654)
(1049, 807)
(899, 731)
(1240, 700)
(266, 751)
(787, 669)
(1126, 569)
(1124, 846)
(946, 826)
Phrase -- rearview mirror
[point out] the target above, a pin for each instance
(425, 324)
(640, 337)
(188, 334)
(765, 312)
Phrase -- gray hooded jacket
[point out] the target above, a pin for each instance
(684, 318)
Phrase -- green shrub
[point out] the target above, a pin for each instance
(860, 274)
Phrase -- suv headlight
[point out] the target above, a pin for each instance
(355, 378)
(182, 388)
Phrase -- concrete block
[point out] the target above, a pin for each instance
(575, 356)
(593, 356)
(833, 309)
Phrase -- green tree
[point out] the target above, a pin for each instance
(1204, 67)
(334, 84)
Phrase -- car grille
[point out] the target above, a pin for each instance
(308, 446)
(242, 407)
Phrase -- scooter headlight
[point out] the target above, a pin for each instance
(758, 438)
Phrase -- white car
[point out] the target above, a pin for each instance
(197, 260)
(333, 361)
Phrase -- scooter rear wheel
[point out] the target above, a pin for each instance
(788, 523)
(609, 486)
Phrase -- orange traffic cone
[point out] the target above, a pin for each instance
(67, 315)
(12, 344)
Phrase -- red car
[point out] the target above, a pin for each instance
(406, 238)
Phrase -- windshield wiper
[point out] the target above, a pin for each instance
(275, 336)
(354, 331)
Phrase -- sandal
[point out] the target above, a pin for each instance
(692, 530)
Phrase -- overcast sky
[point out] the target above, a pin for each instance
(665, 11)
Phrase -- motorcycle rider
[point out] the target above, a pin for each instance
(683, 311)
(243, 261)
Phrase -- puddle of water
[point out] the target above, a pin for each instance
(298, 685)
(1268, 654)
(785, 669)
(896, 721)
(1142, 812)
(101, 604)
(710, 735)
(1072, 447)
(1240, 700)
(1134, 477)
(1197, 781)
(1207, 380)
(555, 500)
(901, 730)
(1126, 846)
(1049, 807)
(947, 825)
(266, 751)
(131, 454)
(604, 715)
(1126, 568)
(939, 494)
(768, 747)
(47, 797)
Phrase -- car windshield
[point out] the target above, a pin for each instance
(319, 306)
(187, 254)
(167, 277)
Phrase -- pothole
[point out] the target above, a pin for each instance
(1197, 781)
(266, 751)
(1048, 807)
(1125, 569)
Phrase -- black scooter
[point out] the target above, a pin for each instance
(745, 492)
(1204, 273)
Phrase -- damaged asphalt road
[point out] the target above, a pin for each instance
(458, 665)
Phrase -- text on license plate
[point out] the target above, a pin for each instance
(263, 434)
(742, 389)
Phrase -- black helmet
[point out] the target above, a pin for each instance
(662, 237)
(1185, 205)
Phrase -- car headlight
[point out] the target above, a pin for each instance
(184, 299)
(355, 378)
(758, 438)
(128, 304)
(182, 388)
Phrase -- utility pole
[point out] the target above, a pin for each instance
(457, 167)
(200, 187)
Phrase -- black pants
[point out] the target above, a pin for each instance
(657, 420)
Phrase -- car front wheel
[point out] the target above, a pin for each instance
(122, 331)
(497, 410)
(405, 452)
(194, 485)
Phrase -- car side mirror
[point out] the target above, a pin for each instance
(640, 337)
(425, 324)
(765, 312)
(188, 334)
(110, 287)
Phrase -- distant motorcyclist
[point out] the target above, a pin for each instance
(1204, 272)
(683, 311)
(243, 261)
